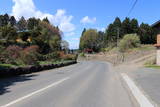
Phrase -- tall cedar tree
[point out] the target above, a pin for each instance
(126, 26)
(22, 24)
(46, 20)
(12, 21)
(32, 23)
(134, 26)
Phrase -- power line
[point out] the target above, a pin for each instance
(132, 7)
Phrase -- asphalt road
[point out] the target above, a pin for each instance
(148, 80)
(86, 84)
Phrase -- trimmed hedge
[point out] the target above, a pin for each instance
(14, 71)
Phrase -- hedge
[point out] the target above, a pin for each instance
(14, 71)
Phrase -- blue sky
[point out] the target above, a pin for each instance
(74, 15)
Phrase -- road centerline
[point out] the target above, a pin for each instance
(35, 92)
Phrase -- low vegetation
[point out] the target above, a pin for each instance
(152, 64)
(129, 41)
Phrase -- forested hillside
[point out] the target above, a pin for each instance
(98, 40)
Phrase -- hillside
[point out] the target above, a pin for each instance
(136, 55)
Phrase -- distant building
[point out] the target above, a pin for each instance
(156, 26)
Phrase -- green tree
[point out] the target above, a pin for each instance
(8, 34)
(32, 23)
(147, 35)
(113, 32)
(126, 26)
(22, 24)
(12, 21)
(134, 26)
(4, 20)
(80, 46)
(90, 40)
(84, 30)
(101, 39)
(46, 20)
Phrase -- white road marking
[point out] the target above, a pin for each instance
(140, 97)
(35, 92)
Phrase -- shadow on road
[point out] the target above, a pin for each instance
(5, 83)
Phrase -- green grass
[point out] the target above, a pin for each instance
(6, 65)
(153, 66)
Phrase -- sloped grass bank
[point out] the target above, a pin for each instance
(7, 70)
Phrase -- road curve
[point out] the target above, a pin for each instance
(86, 84)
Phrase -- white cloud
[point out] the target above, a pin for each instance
(75, 39)
(101, 29)
(27, 9)
(88, 20)
(70, 34)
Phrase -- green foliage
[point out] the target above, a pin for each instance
(134, 26)
(8, 34)
(147, 34)
(90, 40)
(129, 41)
(82, 54)
(22, 24)
(4, 20)
(50, 56)
(46, 20)
(28, 42)
(12, 21)
(32, 23)
(113, 30)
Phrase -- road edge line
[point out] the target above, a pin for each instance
(140, 97)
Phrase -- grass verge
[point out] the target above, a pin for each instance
(153, 66)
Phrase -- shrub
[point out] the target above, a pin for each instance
(50, 56)
(82, 55)
(30, 55)
(64, 56)
(11, 54)
(129, 41)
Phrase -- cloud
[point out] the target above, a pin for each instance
(75, 39)
(101, 29)
(70, 34)
(88, 20)
(27, 9)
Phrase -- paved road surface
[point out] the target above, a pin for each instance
(86, 84)
(148, 80)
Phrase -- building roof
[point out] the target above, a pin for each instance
(155, 24)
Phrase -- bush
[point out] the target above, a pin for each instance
(129, 41)
(82, 55)
(29, 55)
(64, 56)
(50, 56)
(11, 54)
